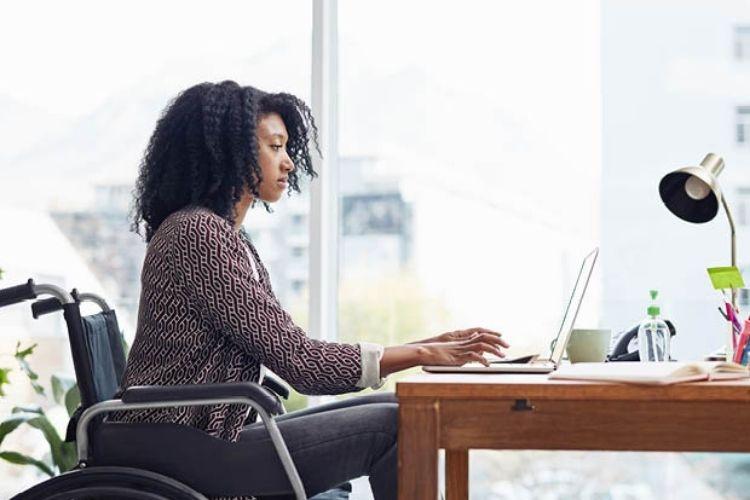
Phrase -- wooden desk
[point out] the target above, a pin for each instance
(528, 412)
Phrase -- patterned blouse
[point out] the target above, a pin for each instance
(204, 318)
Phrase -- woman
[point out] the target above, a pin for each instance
(208, 314)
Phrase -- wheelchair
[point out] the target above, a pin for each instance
(143, 460)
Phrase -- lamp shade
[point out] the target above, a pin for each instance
(693, 193)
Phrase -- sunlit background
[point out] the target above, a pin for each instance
(484, 149)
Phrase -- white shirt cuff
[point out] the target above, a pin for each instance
(371, 355)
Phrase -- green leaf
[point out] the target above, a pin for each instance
(26, 352)
(20, 459)
(36, 418)
(60, 386)
(26, 368)
(11, 423)
(72, 400)
(63, 454)
(4, 379)
(69, 457)
(42, 423)
(28, 409)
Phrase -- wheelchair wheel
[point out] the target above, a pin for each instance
(115, 483)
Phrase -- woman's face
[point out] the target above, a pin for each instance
(274, 161)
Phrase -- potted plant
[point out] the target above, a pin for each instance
(62, 455)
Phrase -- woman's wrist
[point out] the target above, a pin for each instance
(425, 341)
(397, 358)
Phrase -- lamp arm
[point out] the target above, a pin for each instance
(734, 244)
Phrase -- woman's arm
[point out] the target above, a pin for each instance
(470, 347)
(240, 309)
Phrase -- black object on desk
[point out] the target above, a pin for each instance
(621, 350)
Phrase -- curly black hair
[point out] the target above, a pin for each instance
(204, 151)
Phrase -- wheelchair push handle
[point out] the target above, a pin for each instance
(45, 306)
(30, 290)
(19, 293)
(53, 304)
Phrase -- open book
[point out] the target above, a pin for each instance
(654, 373)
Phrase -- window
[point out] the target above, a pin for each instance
(453, 156)
(80, 95)
(507, 143)
(86, 185)
(652, 83)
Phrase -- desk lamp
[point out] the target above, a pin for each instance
(693, 194)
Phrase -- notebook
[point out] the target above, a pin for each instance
(653, 373)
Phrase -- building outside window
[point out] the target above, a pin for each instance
(742, 43)
(742, 127)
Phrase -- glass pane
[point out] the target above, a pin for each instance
(669, 99)
(82, 86)
(469, 160)
(512, 138)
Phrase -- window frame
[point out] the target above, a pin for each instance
(324, 195)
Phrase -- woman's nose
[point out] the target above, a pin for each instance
(287, 164)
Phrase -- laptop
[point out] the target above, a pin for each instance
(534, 364)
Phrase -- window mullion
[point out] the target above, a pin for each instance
(323, 307)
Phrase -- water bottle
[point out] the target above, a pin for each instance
(653, 334)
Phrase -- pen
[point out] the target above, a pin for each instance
(736, 325)
(723, 314)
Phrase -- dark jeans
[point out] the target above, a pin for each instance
(330, 444)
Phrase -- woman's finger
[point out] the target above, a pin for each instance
(485, 332)
(480, 329)
(469, 338)
(473, 356)
(485, 347)
(490, 338)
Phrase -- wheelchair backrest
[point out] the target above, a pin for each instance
(105, 352)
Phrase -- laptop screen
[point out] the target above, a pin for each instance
(574, 304)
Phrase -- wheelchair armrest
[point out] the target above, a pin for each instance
(167, 393)
(274, 384)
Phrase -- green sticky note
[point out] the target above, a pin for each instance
(724, 278)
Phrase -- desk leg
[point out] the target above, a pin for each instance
(457, 474)
(417, 450)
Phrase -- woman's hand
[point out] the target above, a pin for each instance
(461, 335)
(451, 348)
(465, 347)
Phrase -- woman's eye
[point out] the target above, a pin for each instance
(276, 146)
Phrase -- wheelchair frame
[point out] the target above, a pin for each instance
(141, 397)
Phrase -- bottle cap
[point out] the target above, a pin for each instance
(653, 310)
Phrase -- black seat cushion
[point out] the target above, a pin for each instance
(210, 465)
